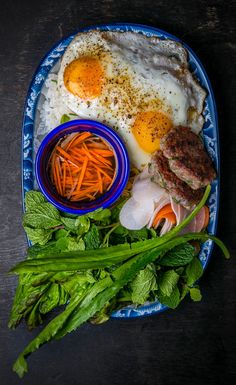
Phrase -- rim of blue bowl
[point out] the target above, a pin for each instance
(122, 160)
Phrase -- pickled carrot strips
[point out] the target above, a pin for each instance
(82, 166)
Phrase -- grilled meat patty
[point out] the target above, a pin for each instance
(187, 157)
(177, 188)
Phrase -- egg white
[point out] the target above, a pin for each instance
(140, 74)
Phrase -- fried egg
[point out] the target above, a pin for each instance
(137, 85)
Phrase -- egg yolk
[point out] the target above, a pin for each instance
(83, 77)
(149, 127)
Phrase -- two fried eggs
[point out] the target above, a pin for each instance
(137, 85)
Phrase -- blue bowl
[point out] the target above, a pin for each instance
(45, 150)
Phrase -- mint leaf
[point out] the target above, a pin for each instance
(40, 236)
(193, 271)
(42, 216)
(76, 245)
(99, 215)
(143, 284)
(184, 291)
(82, 224)
(32, 199)
(138, 235)
(171, 301)
(195, 294)
(92, 238)
(69, 244)
(69, 223)
(62, 244)
(65, 118)
(167, 282)
(61, 233)
(179, 256)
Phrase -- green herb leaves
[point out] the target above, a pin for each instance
(42, 216)
(40, 236)
(167, 282)
(144, 283)
(195, 294)
(172, 300)
(91, 265)
(32, 199)
(193, 271)
(179, 256)
(92, 238)
(65, 118)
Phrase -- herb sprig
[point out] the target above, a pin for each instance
(91, 265)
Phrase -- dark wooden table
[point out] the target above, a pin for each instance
(194, 344)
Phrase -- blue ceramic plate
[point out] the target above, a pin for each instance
(210, 134)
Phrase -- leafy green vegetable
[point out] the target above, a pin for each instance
(99, 215)
(26, 296)
(139, 235)
(70, 244)
(32, 199)
(69, 223)
(65, 118)
(33, 317)
(20, 366)
(55, 296)
(61, 233)
(105, 257)
(171, 300)
(167, 282)
(40, 236)
(143, 284)
(193, 271)
(77, 266)
(104, 314)
(195, 294)
(37, 251)
(92, 238)
(179, 256)
(80, 225)
(42, 216)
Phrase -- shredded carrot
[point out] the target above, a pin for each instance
(101, 158)
(77, 139)
(104, 153)
(165, 213)
(58, 179)
(82, 174)
(100, 181)
(82, 166)
(103, 172)
(64, 178)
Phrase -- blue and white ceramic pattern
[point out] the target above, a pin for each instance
(210, 135)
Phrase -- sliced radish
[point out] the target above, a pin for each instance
(166, 227)
(135, 215)
(180, 212)
(144, 189)
(200, 220)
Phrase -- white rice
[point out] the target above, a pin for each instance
(50, 109)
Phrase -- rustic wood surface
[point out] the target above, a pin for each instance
(194, 344)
